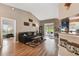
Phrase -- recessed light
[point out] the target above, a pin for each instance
(13, 9)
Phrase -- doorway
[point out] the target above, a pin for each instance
(8, 35)
(49, 30)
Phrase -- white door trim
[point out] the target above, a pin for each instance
(9, 19)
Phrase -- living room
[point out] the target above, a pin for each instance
(29, 31)
(39, 31)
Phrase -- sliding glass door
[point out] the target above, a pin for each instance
(49, 30)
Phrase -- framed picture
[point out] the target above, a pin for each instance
(34, 25)
(30, 20)
(26, 24)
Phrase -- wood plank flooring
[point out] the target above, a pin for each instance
(11, 48)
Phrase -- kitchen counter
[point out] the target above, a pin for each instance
(68, 44)
(70, 37)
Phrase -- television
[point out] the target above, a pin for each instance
(65, 24)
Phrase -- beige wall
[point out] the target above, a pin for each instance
(20, 16)
(73, 10)
(0, 36)
(54, 20)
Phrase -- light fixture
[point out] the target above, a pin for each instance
(67, 5)
(13, 9)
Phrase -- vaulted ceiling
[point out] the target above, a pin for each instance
(42, 11)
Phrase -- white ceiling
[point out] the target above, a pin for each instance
(41, 10)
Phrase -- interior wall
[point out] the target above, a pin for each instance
(0, 37)
(55, 21)
(64, 12)
(20, 16)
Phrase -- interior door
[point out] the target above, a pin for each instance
(10, 27)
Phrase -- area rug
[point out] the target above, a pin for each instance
(35, 43)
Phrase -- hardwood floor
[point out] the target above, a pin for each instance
(11, 48)
(8, 47)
